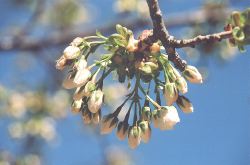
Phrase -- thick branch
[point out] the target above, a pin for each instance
(161, 33)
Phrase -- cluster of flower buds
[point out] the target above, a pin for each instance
(130, 59)
(240, 25)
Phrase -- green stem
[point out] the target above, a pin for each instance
(155, 104)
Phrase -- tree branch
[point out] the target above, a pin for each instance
(161, 33)
(201, 39)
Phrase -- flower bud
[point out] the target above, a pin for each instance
(79, 93)
(169, 117)
(134, 136)
(77, 41)
(81, 77)
(76, 106)
(170, 93)
(109, 122)
(96, 117)
(122, 130)
(146, 113)
(156, 118)
(192, 74)
(184, 104)
(181, 85)
(145, 131)
(61, 63)
(71, 52)
(68, 83)
(81, 64)
(155, 48)
(132, 44)
(86, 116)
(95, 101)
(89, 87)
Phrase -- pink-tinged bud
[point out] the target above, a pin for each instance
(155, 48)
(184, 104)
(82, 77)
(96, 117)
(95, 101)
(132, 44)
(145, 131)
(86, 116)
(169, 118)
(61, 63)
(170, 93)
(76, 106)
(77, 41)
(122, 130)
(68, 83)
(181, 85)
(109, 122)
(71, 52)
(134, 136)
(192, 74)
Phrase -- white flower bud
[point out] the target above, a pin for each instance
(192, 74)
(96, 117)
(122, 130)
(169, 117)
(134, 136)
(76, 106)
(145, 131)
(170, 93)
(181, 85)
(109, 122)
(77, 41)
(71, 52)
(86, 116)
(95, 101)
(68, 83)
(81, 77)
(184, 104)
(81, 64)
(61, 63)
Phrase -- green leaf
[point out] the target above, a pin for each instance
(238, 34)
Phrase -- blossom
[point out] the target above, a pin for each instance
(81, 64)
(76, 106)
(71, 52)
(181, 85)
(109, 122)
(86, 116)
(81, 77)
(185, 105)
(192, 74)
(169, 117)
(134, 136)
(170, 93)
(145, 131)
(95, 101)
(68, 83)
(96, 117)
(61, 63)
(77, 41)
(122, 130)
